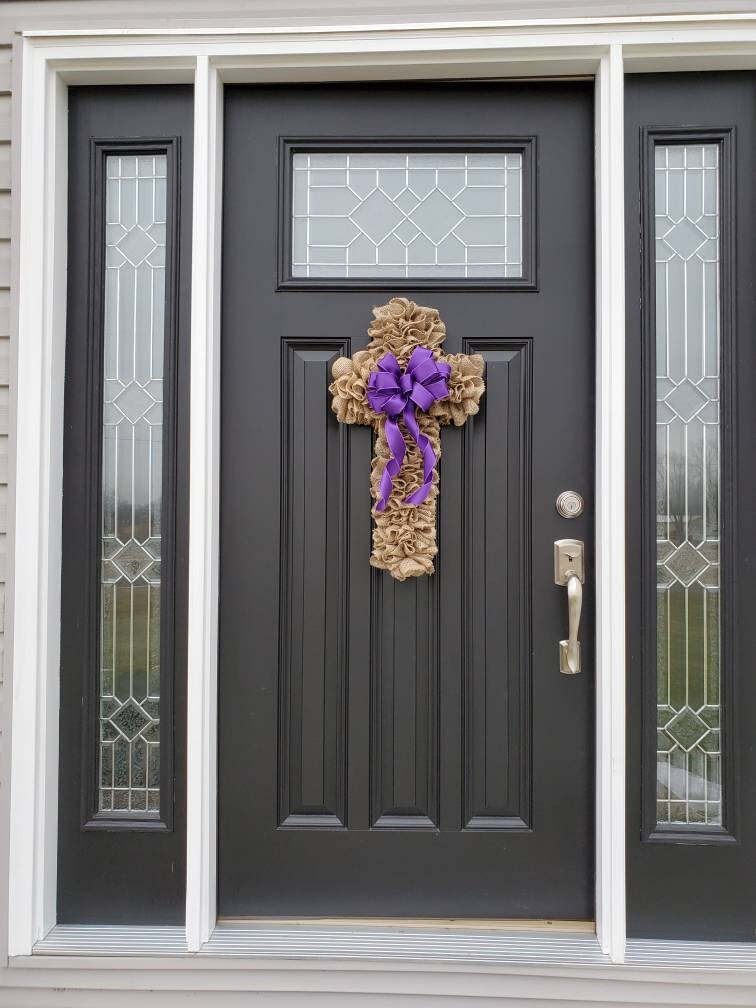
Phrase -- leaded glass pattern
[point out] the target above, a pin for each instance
(133, 337)
(407, 215)
(688, 483)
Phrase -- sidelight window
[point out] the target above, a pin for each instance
(132, 484)
(687, 317)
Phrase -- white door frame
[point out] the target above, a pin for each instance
(601, 48)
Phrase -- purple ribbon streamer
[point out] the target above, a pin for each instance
(394, 391)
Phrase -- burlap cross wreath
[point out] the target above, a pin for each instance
(404, 535)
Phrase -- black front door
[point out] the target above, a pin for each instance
(409, 748)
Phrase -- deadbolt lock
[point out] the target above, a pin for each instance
(569, 504)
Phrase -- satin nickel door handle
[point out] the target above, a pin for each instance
(569, 570)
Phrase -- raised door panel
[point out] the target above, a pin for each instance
(313, 587)
(497, 592)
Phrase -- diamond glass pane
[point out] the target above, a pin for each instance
(687, 484)
(129, 756)
(407, 215)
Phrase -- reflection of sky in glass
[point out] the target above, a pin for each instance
(687, 483)
(132, 485)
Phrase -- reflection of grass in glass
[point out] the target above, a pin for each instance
(131, 660)
(688, 646)
(132, 624)
(688, 675)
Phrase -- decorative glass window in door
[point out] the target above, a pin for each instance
(392, 214)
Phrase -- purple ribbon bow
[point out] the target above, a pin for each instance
(392, 391)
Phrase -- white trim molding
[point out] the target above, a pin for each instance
(38, 496)
(610, 505)
(596, 47)
(204, 450)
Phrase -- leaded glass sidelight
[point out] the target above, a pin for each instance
(687, 216)
(423, 215)
(132, 443)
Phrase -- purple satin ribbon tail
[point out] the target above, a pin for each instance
(429, 457)
(398, 449)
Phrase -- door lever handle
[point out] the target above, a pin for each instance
(569, 650)
(569, 570)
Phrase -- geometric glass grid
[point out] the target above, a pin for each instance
(689, 785)
(407, 215)
(132, 439)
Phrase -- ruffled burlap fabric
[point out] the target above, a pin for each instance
(404, 535)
